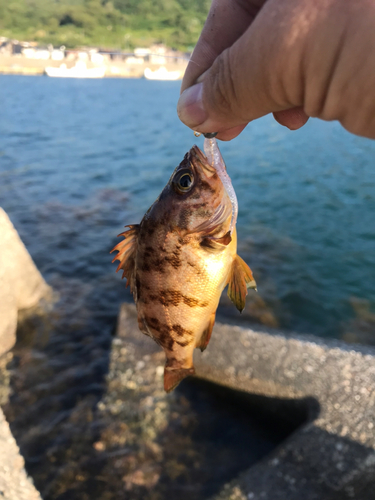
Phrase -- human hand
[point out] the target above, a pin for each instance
(292, 58)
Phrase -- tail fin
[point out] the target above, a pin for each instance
(172, 377)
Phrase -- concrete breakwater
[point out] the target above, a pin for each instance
(21, 287)
(21, 284)
(14, 482)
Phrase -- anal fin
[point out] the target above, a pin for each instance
(240, 279)
(206, 335)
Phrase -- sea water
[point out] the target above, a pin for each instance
(81, 158)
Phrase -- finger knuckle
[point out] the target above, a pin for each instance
(223, 89)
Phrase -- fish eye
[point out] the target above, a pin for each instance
(183, 181)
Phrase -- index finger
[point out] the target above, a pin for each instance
(227, 20)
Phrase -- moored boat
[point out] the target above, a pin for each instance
(80, 70)
(162, 74)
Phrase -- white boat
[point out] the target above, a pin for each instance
(162, 74)
(80, 70)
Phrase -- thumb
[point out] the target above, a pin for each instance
(253, 77)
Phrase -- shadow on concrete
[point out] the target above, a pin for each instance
(311, 465)
(232, 431)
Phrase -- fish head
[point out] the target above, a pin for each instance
(195, 200)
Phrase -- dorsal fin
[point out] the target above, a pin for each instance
(240, 279)
(126, 253)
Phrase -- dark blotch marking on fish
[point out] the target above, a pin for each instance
(181, 331)
(153, 322)
(183, 218)
(138, 286)
(192, 302)
(148, 251)
(158, 265)
(170, 362)
(149, 230)
(163, 220)
(166, 339)
(199, 205)
(174, 297)
(144, 266)
(195, 195)
(199, 271)
(206, 186)
(174, 260)
(170, 297)
(201, 212)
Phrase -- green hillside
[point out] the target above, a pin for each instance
(121, 24)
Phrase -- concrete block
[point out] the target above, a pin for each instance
(331, 456)
(21, 284)
(14, 483)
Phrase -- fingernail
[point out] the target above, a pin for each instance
(190, 107)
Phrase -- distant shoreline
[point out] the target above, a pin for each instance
(19, 65)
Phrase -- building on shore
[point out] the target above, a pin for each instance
(20, 57)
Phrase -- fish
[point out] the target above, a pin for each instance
(180, 257)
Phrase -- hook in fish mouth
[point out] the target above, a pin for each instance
(208, 135)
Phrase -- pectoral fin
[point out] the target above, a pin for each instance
(126, 254)
(240, 279)
(206, 335)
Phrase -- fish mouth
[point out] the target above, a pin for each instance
(200, 162)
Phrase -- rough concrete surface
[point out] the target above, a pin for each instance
(21, 287)
(21, 284)
(332, 456)
(14, 483)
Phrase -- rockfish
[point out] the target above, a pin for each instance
(179, 259)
